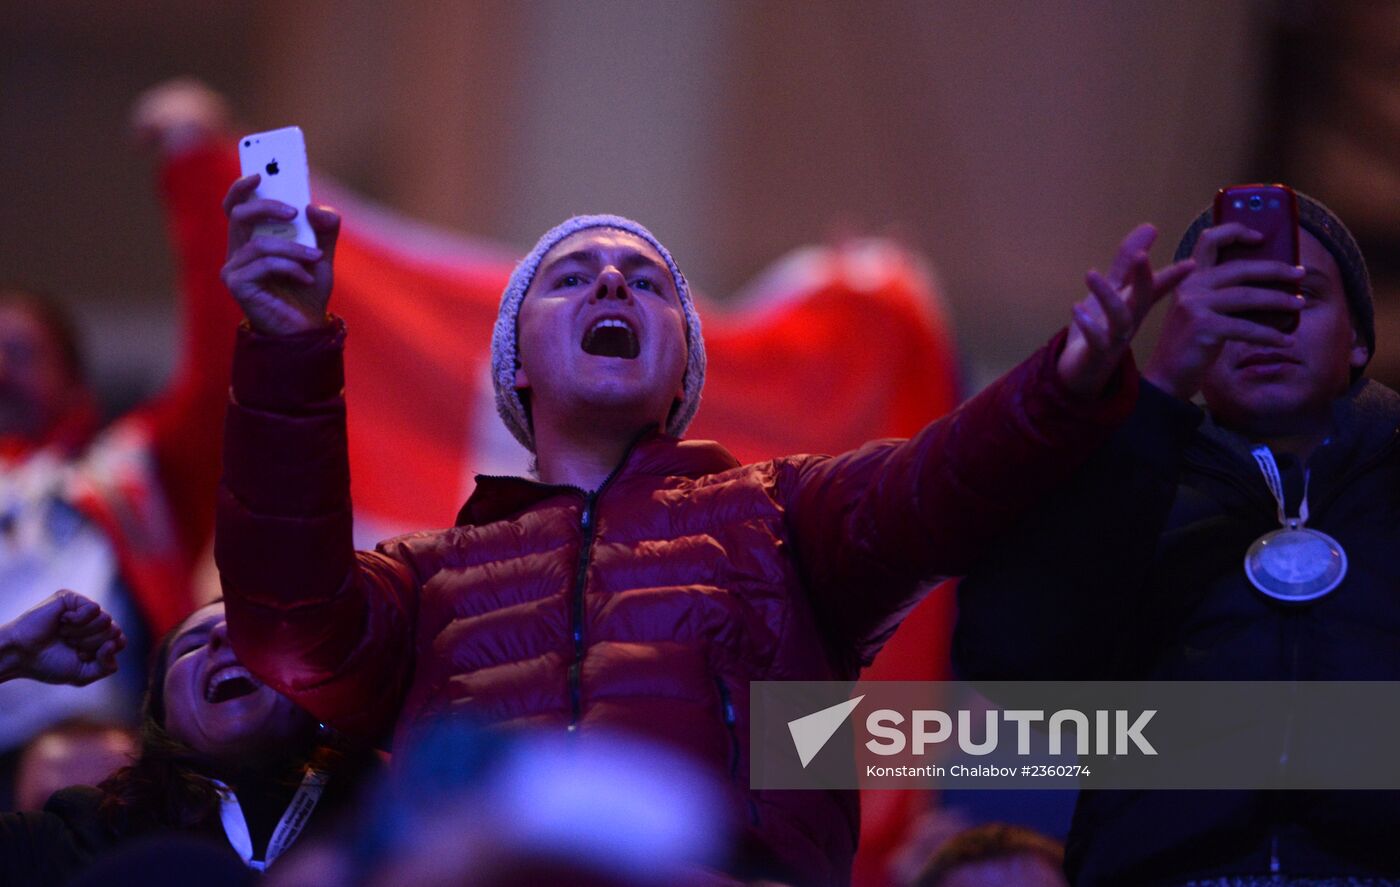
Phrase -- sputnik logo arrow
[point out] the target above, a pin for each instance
(810, 733)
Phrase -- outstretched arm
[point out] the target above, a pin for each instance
(327, 626)
(185, 124)
(870, 525)
(65, 639)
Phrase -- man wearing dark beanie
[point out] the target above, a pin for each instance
(1293, 452)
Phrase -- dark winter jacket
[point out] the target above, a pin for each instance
(1135, 571)
(74, 834)
(51, 846)
(647, 606)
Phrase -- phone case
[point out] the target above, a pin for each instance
(1272, 210)
(279, 156)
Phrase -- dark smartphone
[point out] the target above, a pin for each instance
(1272, 210)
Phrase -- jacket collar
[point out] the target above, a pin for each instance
(1365, 420)
(652, 454)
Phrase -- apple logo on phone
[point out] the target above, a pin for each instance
(272, 169)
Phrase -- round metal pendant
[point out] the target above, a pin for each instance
(1295, 564)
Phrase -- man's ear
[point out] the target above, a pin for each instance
(1359, 352)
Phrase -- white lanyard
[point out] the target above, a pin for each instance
(288, 829)
(1294, 564)
(1265, 457)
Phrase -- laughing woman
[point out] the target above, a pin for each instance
(221, 755)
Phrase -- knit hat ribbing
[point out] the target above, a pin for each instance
(1322, 223)
(505, 338)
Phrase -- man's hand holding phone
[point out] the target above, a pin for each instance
(1239, 299)
(280, 246)
(282, 286)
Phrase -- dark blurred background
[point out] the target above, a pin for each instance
(1012, 142)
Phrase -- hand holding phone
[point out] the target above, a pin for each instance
(1244, 289)
(278, 156)
(280, 249)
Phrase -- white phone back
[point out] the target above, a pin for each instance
(279, 156)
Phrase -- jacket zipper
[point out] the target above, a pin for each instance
(588, 521)
(731, 720)
(726, 705)
(585, 554)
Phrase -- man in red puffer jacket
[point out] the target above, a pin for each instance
(642, 581)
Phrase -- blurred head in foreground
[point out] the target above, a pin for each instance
(467, 805)
(995, 855)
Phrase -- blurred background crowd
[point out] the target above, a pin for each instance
(884, 205)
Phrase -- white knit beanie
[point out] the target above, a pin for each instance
(505, 340)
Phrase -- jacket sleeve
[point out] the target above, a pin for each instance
(1060, 597)
(871, 525)
(330, 627)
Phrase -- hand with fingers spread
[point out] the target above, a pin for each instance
(1106, 320)
(66, 639)
(282, 286)
(1241, 300)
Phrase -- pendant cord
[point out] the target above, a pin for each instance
(1264, 457)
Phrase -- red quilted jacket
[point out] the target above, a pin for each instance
(647, 606)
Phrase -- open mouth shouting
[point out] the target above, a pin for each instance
(228, 683)
(612, 337)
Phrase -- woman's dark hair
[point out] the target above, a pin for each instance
(168, 786)
(163, 787)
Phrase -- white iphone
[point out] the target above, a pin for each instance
(279, 156)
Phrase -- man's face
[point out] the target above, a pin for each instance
(215, 705)
(36, 385)
(602, 332)
(1278, 391)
